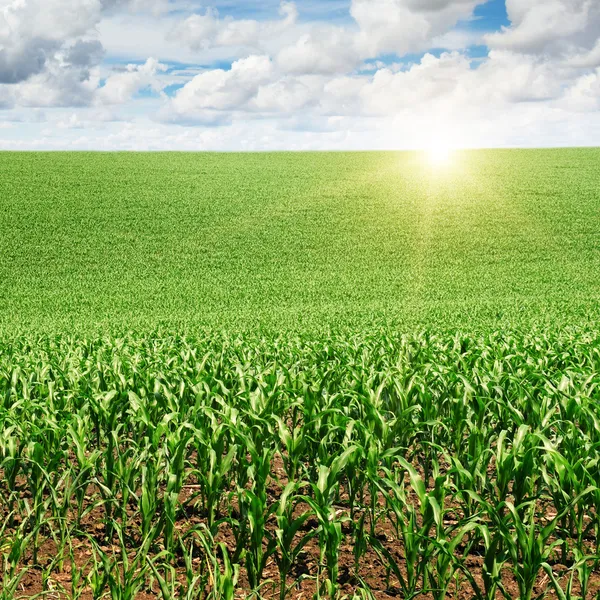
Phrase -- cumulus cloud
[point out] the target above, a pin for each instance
(446, 86)
(54, 86)
(318, 82)
(567, 29)
(403, 26)
(49, 49)
(208, 30)
(225, 90)
(210, 94)
(430, 80)
(288, 95)
(381, 26)
(584, 95)
(120, 87)
(33, 31)
(325, 50)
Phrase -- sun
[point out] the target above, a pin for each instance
(439, 154)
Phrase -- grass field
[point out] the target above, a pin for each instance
(300, 376)
(295, 241)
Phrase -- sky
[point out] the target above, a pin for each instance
(298, 75)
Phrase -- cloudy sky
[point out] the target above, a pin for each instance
(304, 74)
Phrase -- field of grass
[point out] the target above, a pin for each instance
(300, 376)
(294, 241)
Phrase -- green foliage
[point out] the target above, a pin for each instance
(234, 409)
(97, 242)
(422, 450)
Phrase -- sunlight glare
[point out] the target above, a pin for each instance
(439, 154)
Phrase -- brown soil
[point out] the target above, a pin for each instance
(57, 583)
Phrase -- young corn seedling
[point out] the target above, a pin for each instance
(148, 501)
(196, 570)
(330, 519)
(494, 558)
(288, 530)
(360, 541)
(97, 577)
(38, 482)
(581, 570)
(106, 480)
(362, 592)
(414, 526)
(14, 542)
(175, 451)
(254, 512)
(123, 577)
(445, 564)
(77, 432)
(78, 580)
(528, 543)
(215, 459)
(515, 472)
(166, 574)
(168, 584)
(294, 443)
(11, 464)
(376, 456)
(223, 574)
(565, 480)
(528, 546)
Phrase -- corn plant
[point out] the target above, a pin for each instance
(288, 529)
(184, 464)
(329, 517)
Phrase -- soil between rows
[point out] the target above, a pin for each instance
(302, 583)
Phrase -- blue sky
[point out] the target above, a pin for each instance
(330, 10)
(490, 16)
(310, 74)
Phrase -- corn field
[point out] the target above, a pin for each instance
(360, 466)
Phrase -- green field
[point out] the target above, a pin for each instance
(351, 376)
(297, 241)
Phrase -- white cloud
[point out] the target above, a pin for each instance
(431, 80)
(584, 95)
(286, 96)
(208, 30)
(519, 125)
(217, 90)
(381, 26)
(49, 48)
(446, 89)
(325, 50)
(55, 86)
(297, 82)
(119, 88)
(85, 119)
(154, 7)
(567, 29)
(34, 32)
(403, 26)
